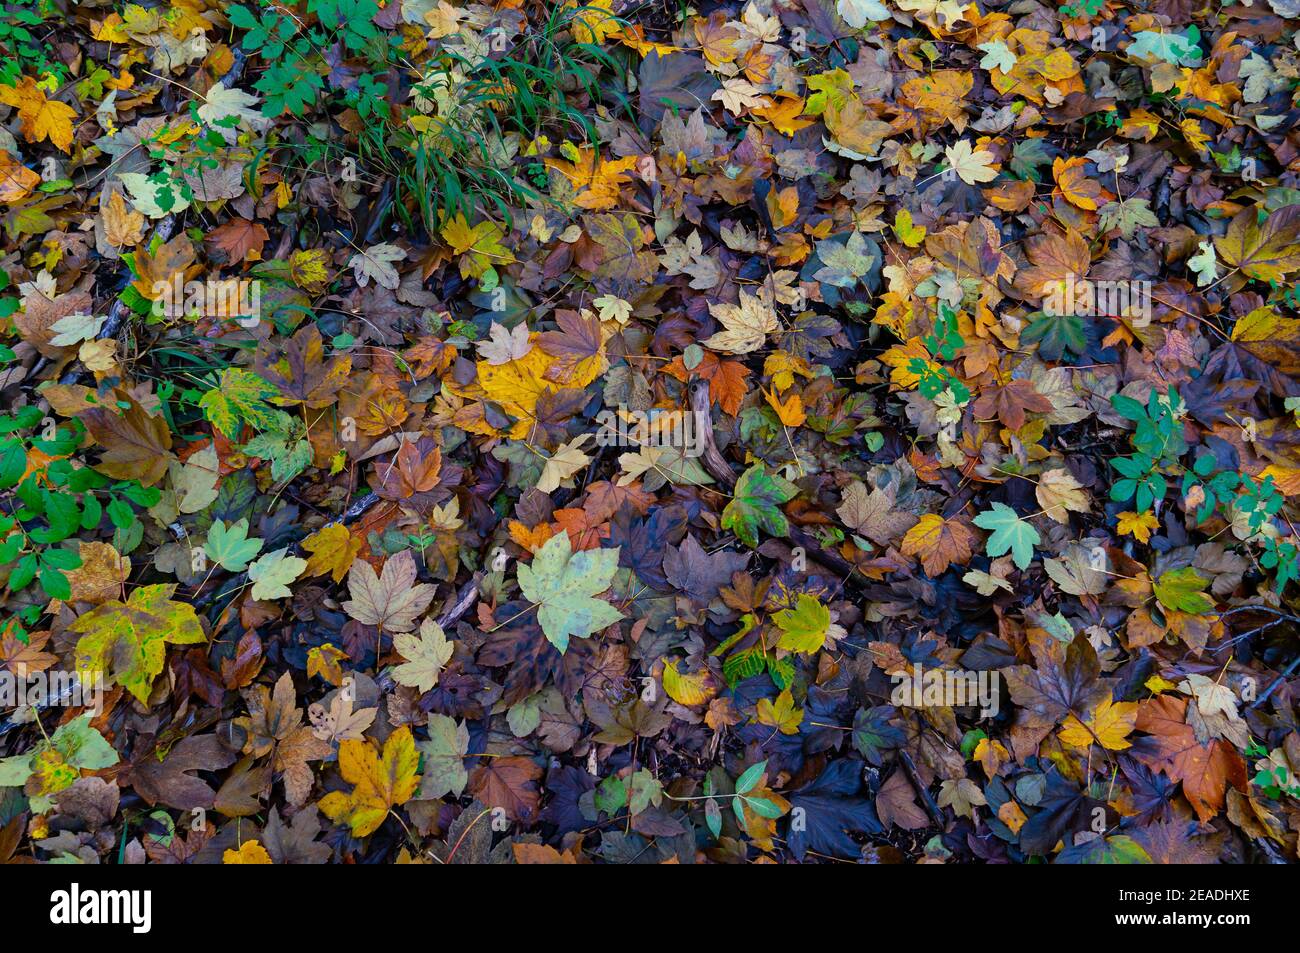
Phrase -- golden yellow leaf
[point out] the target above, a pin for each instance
(688, 690)
(939, 543)
(1111, 722)
(1138, 525)
(40, 118)
(380, 782)
(16, 180)
(332, 550)
(250, 852)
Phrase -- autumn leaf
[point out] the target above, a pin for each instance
(380, 782)
(425, 656)
(1109, 724)
(392, 601)
(745, 325)
(40, 118)
(939, 543)
(126, 641)
(564, 585)
(332, 550)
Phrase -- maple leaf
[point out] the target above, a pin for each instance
(127, 640)
(564, 463)
(1058, 491)
(971, 167)
(502, 346)
(380, 782)
(756, 505)
(564, 585)
(480, 247)
(1269, 249)
(274, 724)
(425, 656)
(249, 852)
(1138, 525)
(746, 325)
(332, 550)
(1109, 724)
(443, 758)
(939, 543)
(781, 714)
(803, 628)
(122, 227)
(303, 376)
(272, 574)
(40, 118)
(137, 445)
(376, 264)
(392, 601)
(229, 546)
(1010, 534)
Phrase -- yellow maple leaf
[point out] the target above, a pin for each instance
(250, 852)
(122, 226)
(332, 550)
(1057, 492)
(789, 411)
(596, 181)
(746, 324)
(781, 715)
(40, 118)
(516, 385)
(16, 180)
(1138, 525)
(380, 782)
(1111, 722)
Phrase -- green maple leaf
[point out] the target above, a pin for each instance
(1010, 534)
(272, 574)
(425, 656)
(443, 761)
(803, 628)
(756, 505)
(127, 640)
(230, 548)
(1183, 591)
(239, 398)
(564, 585)
(1056, 334)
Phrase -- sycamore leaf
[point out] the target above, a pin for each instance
(939, 543)
(229, 547)
(564, 585)
(1010, 534)
(971, 167)
(40, 118)
(380, 783)
(332, 549)
(1110, 722)
(781, 714)
(803, 628)
(239, 398)
(392, 601)
(502, 346)
(127, 640)
(756, 505)
(1204, 264)
(567, 460)
(746, 324)
(376, 262)
(1058, 491)
(272, 574)
(425, 656)
(444, 758)
(997, 55)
